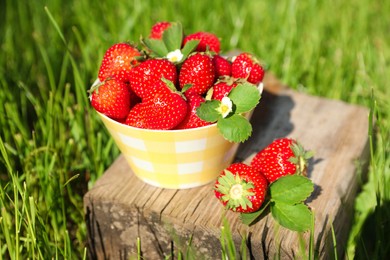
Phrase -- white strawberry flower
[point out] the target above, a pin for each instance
(175, 56)
(226, 107)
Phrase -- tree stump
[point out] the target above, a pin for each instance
(120, 208)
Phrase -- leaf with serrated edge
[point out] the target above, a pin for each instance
(156, 46)
(294, 217)
(245, 97)
(291, 189)
(235, 128)
(207, 111)
(173, 37)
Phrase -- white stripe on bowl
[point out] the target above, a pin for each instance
(191, 146)
(142, 164)
(190, 168)
(136, 143)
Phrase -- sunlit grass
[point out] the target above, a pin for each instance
(53, 147)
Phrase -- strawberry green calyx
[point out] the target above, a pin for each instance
(172, 87)
(300, 158)
(95, 87)
(235, 191)
(169, 46)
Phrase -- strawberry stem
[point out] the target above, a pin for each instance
(300, 158)
(236, 191)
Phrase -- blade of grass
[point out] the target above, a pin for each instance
(334, 243)
(227, 242)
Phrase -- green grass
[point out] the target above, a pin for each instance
(53, 147)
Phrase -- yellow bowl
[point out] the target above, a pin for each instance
(173, 159)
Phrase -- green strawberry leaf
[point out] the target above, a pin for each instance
(173, 37)
(156, 46)
(232, 125)
(207, 111)
(245, 97)
(296, 217)
(291, 189)
(189, 47)
(235, 128)
(249, 218)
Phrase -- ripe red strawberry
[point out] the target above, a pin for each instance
(136, 116)
(207, 41)
(118, 61)
(192, 120)
(164, 109)
(223, 87)
(158, 29)
(241, 188)
(197, 70)
(247, 67)
(112, 98)
(223, 67)
(282, 157)
(143, 77)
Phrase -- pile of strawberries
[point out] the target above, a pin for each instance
(161, 83)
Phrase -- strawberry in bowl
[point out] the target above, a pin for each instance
(156, 101)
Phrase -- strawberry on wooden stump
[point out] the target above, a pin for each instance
(241, 188)
(284, 156)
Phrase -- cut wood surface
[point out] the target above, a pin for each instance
(120, 208)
